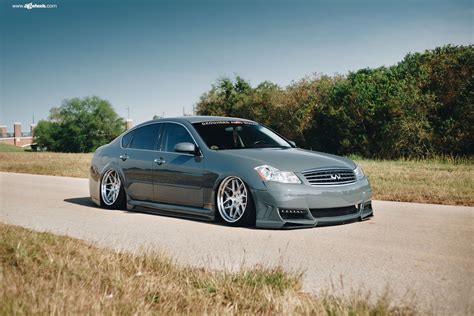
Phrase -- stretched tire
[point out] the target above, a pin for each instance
(112, 194)
(234, 202)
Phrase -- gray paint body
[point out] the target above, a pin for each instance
(186, 183)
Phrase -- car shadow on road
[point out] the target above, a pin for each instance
(183, 217)
(84, 201)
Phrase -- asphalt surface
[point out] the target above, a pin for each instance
(419, 251)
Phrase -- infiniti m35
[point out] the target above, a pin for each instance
(233, 170)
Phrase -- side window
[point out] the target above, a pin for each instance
(126, 139)
(145, 137)
(175, 134)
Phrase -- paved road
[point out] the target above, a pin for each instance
(412, 248)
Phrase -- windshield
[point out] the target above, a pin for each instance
(219, 135)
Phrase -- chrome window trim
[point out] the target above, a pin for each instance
(176, 153)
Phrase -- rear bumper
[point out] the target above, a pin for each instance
(291, 205)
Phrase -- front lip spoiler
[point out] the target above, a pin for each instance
(365, 211)
(298, 224)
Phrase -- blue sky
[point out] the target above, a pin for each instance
(160, 56)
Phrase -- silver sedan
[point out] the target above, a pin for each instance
(228, 169)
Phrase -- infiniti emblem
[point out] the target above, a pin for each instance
(335, 176)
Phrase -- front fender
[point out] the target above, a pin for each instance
(225, 166)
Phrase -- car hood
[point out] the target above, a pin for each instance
(290, 159)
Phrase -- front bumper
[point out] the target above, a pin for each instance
(302, 205)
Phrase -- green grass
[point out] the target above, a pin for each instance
(443, 180)
(42, 273)
(10, 148)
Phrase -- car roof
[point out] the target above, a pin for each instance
(199, 118)
(192, 119)
(195, 119)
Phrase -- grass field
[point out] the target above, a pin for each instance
(55, 164)
(10, 148)
(42, 273)
(441, 181)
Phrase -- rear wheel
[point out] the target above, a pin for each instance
(234, 202)
(112, 194)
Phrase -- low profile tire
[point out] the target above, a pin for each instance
(112, 194)
(234, 202)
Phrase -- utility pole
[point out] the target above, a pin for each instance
(128, 112)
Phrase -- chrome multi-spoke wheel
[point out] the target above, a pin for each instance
(110, 187)
(232, 199)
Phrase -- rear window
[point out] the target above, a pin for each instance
(145, 137)
(126, 139)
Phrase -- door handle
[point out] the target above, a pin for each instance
(124, 157)
(159, 161)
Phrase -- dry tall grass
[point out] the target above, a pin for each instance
(439, 181)
(41, 273)
(47, 163)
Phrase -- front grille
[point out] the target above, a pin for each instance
(330, 176)
(333, 212)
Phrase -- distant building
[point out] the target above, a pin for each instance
(17, 138)
(129, 123)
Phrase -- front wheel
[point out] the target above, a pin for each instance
(112, 194)
(234, 202)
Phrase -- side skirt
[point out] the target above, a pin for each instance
(171, 210)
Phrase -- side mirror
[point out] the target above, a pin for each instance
(187, 148)
(292, 143)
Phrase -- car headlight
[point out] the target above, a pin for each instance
(269, 173)
(359, 173)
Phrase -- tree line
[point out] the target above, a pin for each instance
(420, 107)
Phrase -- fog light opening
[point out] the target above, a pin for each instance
(293, 213)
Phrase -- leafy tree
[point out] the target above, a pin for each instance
(79, 125)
